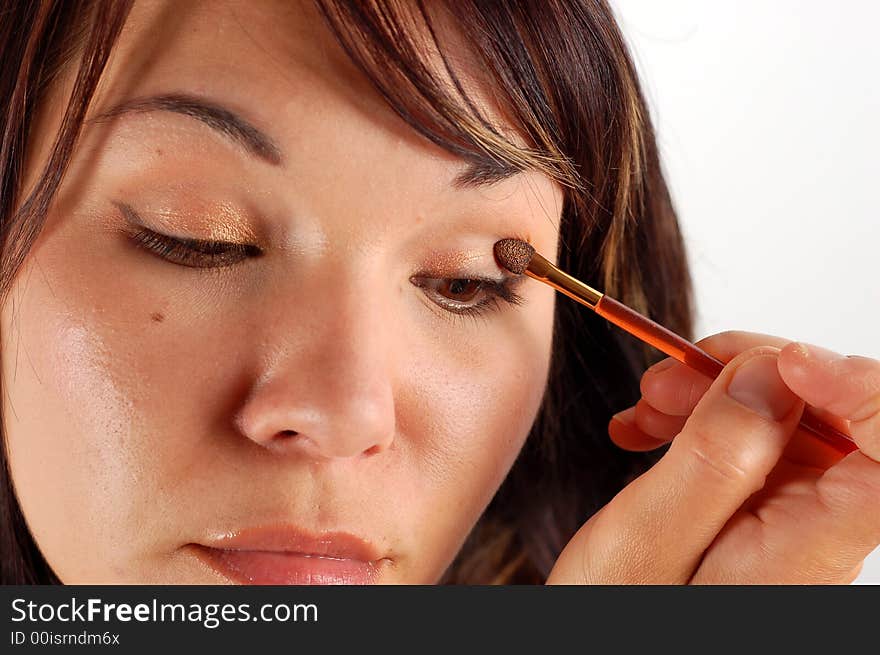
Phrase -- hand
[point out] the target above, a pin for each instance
(742, 496)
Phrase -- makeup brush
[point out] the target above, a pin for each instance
(519, 257)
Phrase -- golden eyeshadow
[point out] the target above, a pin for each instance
(455, 264)
(208, 222)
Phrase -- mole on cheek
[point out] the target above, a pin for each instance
(157, 316)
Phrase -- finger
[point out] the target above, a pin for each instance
(727, 345)
(848, 387)
(855, 573)
(674, 388)
(656, 424)
(807, 450)
(679, 394)
(825, 534)
(842, 513)
(642, 427)
(789, 556)
(625, 434)
(728, 446)
(787, 479)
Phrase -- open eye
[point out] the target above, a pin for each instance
(467, 295)
(460, 290)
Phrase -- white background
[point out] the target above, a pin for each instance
(768, 120)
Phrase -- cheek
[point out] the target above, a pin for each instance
(482, 406)
(66, 422)
(467, 412)
(90, 375)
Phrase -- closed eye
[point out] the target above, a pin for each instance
(194, 253)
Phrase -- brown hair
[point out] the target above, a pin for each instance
(562, 75)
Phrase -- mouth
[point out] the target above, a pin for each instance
(285, 555)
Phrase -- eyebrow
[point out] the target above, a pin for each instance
(479, 172)
(484, 171)
(222, 120)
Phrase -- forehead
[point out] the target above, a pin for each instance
(279, 64)
(264, 50)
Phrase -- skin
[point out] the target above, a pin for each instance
(742, 496)
(146, 404)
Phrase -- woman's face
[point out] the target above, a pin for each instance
(172, 423)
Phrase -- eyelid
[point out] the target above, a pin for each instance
(199, 245)
(136, 221)
(185, 251)
(192, 254)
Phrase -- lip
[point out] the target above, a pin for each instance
(286, 555)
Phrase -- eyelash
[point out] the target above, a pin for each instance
(194, 253)
(493, 289)
(198, 253)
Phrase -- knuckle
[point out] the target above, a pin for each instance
(715, 455)
(868, 412)
(842, 490)
(695, 392)
(655, 392)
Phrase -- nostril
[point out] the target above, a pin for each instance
(288, 433)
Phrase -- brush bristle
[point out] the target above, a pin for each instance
(513, 254)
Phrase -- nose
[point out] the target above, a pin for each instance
(328, 392)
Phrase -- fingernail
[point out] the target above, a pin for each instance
(817, 353)
(626, 416)
(757, 385)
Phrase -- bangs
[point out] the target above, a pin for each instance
(415, 58)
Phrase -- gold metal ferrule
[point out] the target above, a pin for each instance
(541, 269)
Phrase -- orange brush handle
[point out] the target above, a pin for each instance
(684, 351)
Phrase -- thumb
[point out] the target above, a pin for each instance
(658, 527)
